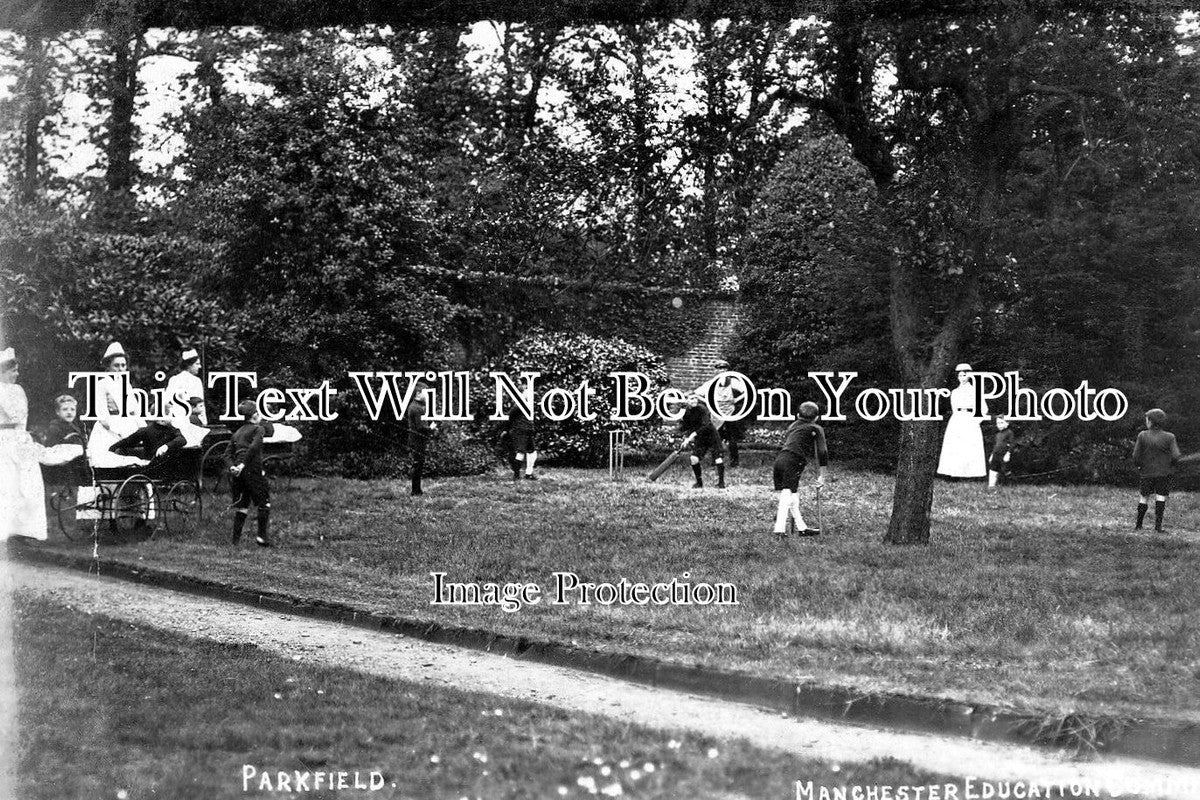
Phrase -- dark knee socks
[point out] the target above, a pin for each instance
(720, 474)
(696, 472)
(264, 517)
(1159, 507)
(239, 522)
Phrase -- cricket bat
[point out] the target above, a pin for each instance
(665, 465)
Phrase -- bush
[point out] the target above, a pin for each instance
(355, 446)
(67, 290)
(565, 361)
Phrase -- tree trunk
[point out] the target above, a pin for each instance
(912, 498)
(35, 113)
(924, 368)
(120, 174)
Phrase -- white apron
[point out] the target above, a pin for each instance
(22, 499)
(962, 446)
(110, 428)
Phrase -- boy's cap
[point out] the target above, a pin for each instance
(1157, 416)
(195, 401)
(114, 350)
(247, 408)
(963, 367)
(64, 398)
(809, 409)
(721, 365)
(189, 355)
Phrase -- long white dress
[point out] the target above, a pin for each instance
(22, 499)
(110, 428)
(962, 446)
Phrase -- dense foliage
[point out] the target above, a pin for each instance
(68, 291)
(814, 294)
(1016, 189)
(566, 361)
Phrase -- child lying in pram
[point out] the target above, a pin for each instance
(158, 440)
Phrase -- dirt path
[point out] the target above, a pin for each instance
(388, 655)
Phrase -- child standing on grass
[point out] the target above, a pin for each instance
(521, 437)
(248, 480)
(420, 431)
(1155, 455)
(702, 435)
(1001, 452)
(803, 437)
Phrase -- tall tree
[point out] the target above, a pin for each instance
(317, 200)
(969, 97)
(33, 115)
(732, 139)
(115, 88)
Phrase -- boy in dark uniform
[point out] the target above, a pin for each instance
(420, 431)
(521, 437)
(1155, 455)
(804, 437)
(65, 427)
(248, 480)
(155, 440)
(697, 424)
(1001, 452)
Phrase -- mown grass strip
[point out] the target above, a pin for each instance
(108, 709)
(1035, 597)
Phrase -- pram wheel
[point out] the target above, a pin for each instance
(131, 507)
(181, 508)
(214, 470)
(64, 503)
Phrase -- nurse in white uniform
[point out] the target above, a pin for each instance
(962, 446)
(22, 505)
(186, 384)
(111, 426)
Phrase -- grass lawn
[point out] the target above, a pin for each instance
(110, 710)
(1035, 597)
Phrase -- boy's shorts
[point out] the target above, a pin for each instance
(1158, 485)
(788, 469)
(996, 464)
(732, 431)
(523, 442)
(250, 488)
(702, 445)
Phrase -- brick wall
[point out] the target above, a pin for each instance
(696, 365)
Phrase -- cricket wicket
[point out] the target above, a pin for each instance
(616, 455)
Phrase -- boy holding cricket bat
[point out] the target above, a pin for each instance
(804, 438)
(702, 435)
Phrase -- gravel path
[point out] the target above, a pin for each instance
(331, 644)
